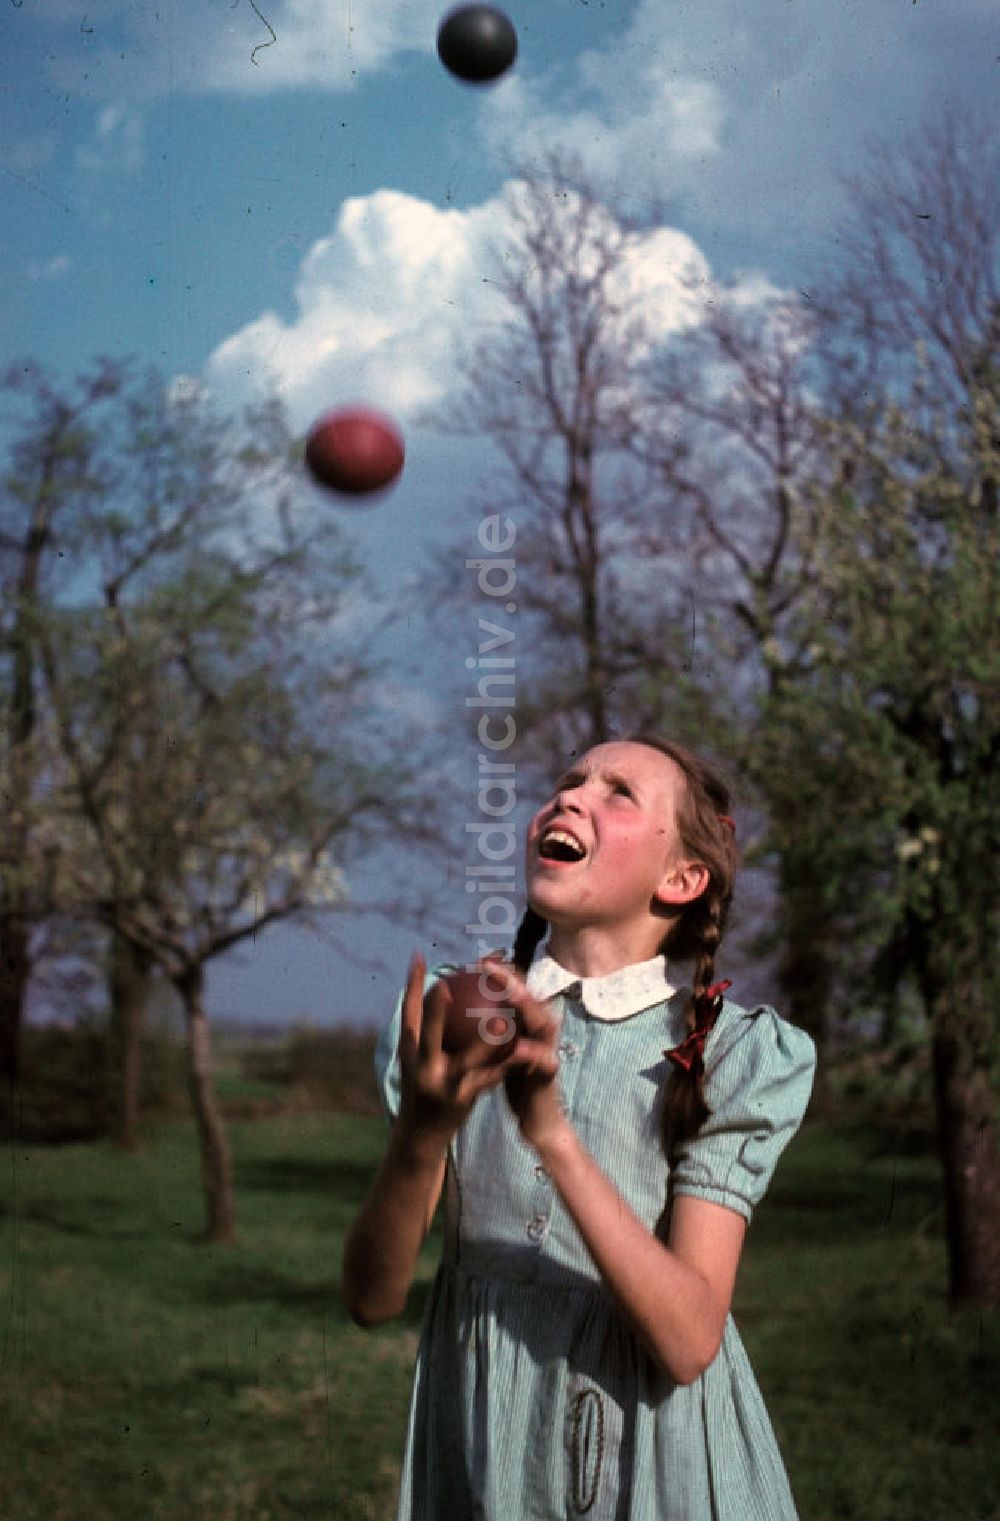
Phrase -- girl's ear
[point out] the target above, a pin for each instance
(684, 882)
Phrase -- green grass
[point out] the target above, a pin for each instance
(885, 1401)
(146, 1375)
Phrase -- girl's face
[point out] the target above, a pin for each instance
(605, 848)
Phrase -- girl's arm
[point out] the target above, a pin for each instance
(677, 1294)
(438, 1091)
(382, 1246)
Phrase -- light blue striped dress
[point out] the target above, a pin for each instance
(532, 1396)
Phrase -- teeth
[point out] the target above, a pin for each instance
(561, 837)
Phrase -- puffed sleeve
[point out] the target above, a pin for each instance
(387, 1073)
(758, 1077)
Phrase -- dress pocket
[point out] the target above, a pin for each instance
(586, 1455)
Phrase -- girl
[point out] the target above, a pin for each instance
(577, 1355)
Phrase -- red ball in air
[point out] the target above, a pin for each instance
(478, 1015)
(354, 450)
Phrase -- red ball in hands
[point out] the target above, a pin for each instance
(478, 1016)
(354, 450)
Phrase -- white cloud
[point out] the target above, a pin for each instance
(116, 142)
(327, 43)
(379, 303)
(182, 389)
(233, 46)
(644, 139)
(667, 277)
(744, 116)
(50, 269)
(642, 113)
(383, 299)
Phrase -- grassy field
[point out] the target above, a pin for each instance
(145, 1376)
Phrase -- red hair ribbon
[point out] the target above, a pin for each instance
(729, 823)
(690, 1054)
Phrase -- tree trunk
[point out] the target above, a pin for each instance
(14, 970)
(129, 986)
(970, 1157)
(216, 1159)
(20, 715)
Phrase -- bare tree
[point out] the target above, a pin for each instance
(735, 427)
(654, 461)
(557, 391)
(909, 306)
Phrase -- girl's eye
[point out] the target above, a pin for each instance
(623, 790)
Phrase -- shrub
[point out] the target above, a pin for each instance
(68, 1090)
(324, 1069)
(63, 1091)
(886, 1089)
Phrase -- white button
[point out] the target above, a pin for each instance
(540, 1173)
(537, 1227)
(567, 1050)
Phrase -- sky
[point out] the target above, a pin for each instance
(295, 194)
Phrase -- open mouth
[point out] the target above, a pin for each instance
(560, 845)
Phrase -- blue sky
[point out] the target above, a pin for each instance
(316, 212)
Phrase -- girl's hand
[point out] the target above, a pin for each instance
(439, 1087)
(532, 1071)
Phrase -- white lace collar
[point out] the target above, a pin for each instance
(614, 996)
